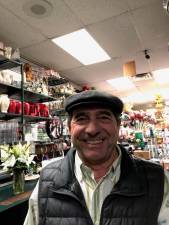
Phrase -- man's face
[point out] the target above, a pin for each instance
(94, 132)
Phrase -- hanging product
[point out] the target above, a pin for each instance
(54, 128)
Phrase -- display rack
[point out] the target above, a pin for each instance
(21, 94)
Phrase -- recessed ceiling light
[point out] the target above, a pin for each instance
(138, 98)
(38, 8)
(121, 83)
(81, 45)
(161, 76)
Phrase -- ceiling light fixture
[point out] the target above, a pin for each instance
(138, 98)
(38, 8)
(121, 83)
(161, 76)
(81, 45)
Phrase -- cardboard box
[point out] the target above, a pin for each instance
(142, 154)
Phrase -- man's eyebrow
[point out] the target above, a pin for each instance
(106, 112)
(77, 114)
(100, 112)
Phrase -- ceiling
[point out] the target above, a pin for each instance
(124, 28)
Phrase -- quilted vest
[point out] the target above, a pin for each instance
(135, 200)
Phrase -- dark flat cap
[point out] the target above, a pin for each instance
(93, 97)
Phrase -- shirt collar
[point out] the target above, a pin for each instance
(80, 167)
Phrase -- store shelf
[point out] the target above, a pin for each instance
(27, 118)
(54, 81)
(12, 91)
(15, 92)
(59, 94)
(43, 143)
(36, 97)
(34, 119)
(9, 116)
(57, 112)
(8, 63)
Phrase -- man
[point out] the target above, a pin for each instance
(98, 182)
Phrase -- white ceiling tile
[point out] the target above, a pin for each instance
(48, 54)
(103, 86)
(116, 35)
(80, 75)
(151, 23)
(60, 21)
(142, 64)
(15, 32)
(160, 58)
(95, 73)
(137, 3)
(106, 70)
(92, 11)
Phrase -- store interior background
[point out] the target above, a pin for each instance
(134, 31)
(124, 29)
(128, 30)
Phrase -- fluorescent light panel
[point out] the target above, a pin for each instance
(161, 76)
(81, 45)
(138, 98)
(121, 83)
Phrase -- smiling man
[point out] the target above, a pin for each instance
(91, 131)
(98, 182)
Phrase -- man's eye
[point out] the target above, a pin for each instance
(82, 118)
(105, 117)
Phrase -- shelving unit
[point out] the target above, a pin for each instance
(53, 81)
(29, 124)
(15, 92)
(21, 94)
(8, 64)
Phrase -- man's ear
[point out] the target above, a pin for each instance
(69, 128)
(119, 121)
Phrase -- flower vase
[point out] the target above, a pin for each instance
(4, 102)
(18, 181)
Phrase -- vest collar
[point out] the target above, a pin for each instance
(132, 180)
(131, 183)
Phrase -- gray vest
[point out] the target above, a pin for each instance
(135, 200)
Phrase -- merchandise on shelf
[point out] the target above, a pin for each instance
(143, 130)
(30, 106)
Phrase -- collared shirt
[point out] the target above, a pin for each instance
(95, 193)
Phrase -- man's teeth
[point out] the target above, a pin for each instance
(95, 142)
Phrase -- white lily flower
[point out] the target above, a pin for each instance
(16, 156)
(10, 162)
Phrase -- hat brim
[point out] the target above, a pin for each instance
(88, 104)
(91, 98)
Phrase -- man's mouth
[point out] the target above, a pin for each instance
(94, 142)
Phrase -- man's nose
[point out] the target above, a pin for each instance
(93, 127)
